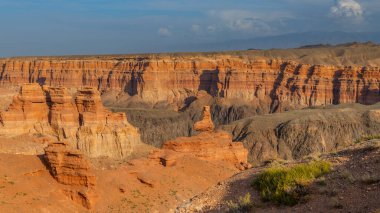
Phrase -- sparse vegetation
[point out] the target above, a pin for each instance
(345, 174)
(243, 205)
(370, 179)
(367, 138)
(287, 186)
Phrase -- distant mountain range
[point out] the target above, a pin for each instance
(291, 40)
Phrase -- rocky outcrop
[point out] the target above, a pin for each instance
(51, 111)
(29, 111)
(70, 167)
(206, 123)
(215, 146)
(208, 146)
(272, 85)
(63, 113)
(101, 132)
(293, 135)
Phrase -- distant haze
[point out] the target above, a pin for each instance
(67, 27)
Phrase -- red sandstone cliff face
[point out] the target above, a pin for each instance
(52, 111)
(70, 167)
(277, 84)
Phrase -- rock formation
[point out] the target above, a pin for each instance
(208, 145)
(28, 112)
(101, 132)
(70, 167)
(206, 123)
(293, 135)
(215, 146)
(277, 85)
(51, 111)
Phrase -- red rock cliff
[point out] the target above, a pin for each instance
(52, 111)
(277, 84)
(70, 167)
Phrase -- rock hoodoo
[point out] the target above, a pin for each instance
(208, 145)
(70, 167)
(206, 123)
(51, 111)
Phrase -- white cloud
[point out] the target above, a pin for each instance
(347, 9)
(248, 21)
(249, 24)
(196, 28)
(164, 31)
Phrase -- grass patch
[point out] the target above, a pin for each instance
(243, 205)
(287, 186)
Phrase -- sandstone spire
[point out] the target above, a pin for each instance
(206, 124)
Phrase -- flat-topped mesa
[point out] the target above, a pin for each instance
(278, 85)
(70, 167)
(51, 111)
(63, 113)
(206, 123)
(103, 132)
(208, 145)
(89, 106)
(91, 109)
(28, 113)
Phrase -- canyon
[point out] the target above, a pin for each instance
(149, 132)
(210, 156)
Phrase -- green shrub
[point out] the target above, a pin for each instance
(282, 185)
(244, 204)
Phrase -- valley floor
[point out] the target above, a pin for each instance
(138, 185)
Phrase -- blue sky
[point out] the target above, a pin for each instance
(57, 27)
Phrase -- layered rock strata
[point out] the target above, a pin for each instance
(209, 145)
(277, 85)
(70, 167)
(52, 111)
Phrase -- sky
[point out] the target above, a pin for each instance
(66, 27)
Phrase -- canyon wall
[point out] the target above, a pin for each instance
(277, 85)
(85, 122)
